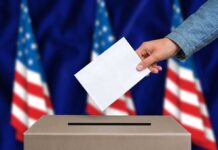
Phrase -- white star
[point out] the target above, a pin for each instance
(97, 22)
(25, 9)
(102, 4)
(20, 53)
(104, 29)
(20, 29)
(96, 45)
(111, 38)
(30, 61)
(27, 36)
(34, 46)
(176, 8)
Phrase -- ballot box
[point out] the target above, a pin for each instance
(107, 133)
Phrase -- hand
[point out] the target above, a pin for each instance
(154, 51)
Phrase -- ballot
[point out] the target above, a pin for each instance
(111, 74)
(107, 133)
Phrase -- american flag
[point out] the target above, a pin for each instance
(30, 93)
(104, 38)
(184, 99)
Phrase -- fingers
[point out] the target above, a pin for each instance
(145, 63)
(148, 60)
(154, 68)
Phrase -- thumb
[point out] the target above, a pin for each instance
(148, 61)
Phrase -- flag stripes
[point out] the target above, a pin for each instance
(184, 100)
(31, 98)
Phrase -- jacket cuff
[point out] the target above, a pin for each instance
(186, 50)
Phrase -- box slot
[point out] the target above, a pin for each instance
(107, 124)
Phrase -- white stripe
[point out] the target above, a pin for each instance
(198, 85)
(209, 134)
(29, 75)
(30, 99)
(185, 96)
(171, 108)
(50, 111)
(114, 112)
(19, 114)
(182, 72)
(45, 89)
(31, 122)
(22, 116)
(192, 121)
(204, 110)
(92, 103)
(130, 103)
(184, 118)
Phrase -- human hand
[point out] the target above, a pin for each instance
(154, 51)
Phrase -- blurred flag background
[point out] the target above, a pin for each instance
(184, 99)
(69, 34)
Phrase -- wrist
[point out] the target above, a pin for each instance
(171, 45)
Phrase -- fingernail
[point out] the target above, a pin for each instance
(139, 67)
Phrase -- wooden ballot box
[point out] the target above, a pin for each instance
(107, 133)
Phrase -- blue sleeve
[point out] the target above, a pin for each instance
(198, 30)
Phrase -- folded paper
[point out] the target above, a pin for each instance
(111, 74)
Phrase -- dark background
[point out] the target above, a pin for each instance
(63, 30)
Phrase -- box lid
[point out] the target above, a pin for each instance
(106, 125)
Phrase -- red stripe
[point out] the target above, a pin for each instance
(131, 112)
(91, 110)
(185, 107)
(119, 105)
(20, 137)
(128, 94)
(32, 88)
(211, 145)
(32, 112)
(18, 125)
(182, 83)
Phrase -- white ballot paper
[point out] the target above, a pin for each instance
(111, 74)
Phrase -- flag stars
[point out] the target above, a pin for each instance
(102, 4)
(97, 23)
(25, 9)
(20, 29)
(34, 46)
(27, 35)
(104, 29)
(176, 9)
(96, 45)
(20, 54)
(111, 38)
(30, 62)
